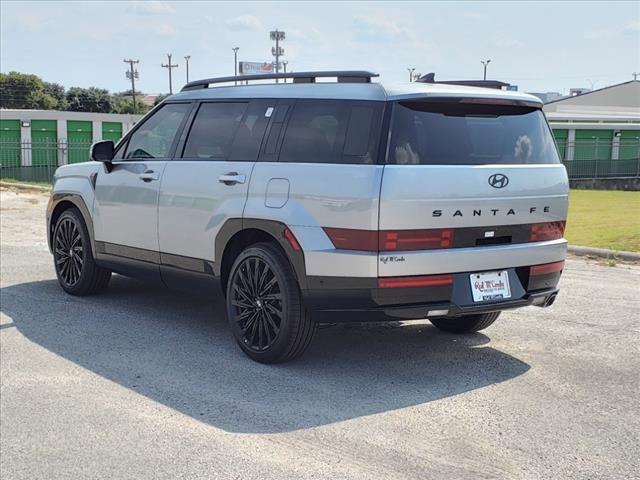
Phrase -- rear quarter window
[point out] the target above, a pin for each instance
(426, 133)
(332, 131)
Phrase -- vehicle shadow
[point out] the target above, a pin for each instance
(178, 351)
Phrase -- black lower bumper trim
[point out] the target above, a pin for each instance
(413, 312)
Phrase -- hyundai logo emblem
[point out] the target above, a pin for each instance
(498, 180)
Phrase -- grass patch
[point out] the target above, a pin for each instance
(604, 219)
(36, 184)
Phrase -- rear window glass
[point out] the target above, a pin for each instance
(332, 131)
(425, 133)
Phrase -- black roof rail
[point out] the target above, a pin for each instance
(343, 76)
(431, 78)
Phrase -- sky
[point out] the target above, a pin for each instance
(539, 46)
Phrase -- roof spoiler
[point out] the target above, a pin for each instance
(495, 84)
(342, 76)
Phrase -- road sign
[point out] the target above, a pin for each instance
(250, 68)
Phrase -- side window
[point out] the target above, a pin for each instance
(361, 141)
(119, 153)
(153, 139)
(213, 130)
(246, 144)
(332, 131)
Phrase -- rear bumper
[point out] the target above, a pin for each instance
(340, 299)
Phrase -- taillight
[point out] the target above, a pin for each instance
(406, 240)
(546, 231)
(546, 268)
(351, 239)
(416, 281)
(390, 240)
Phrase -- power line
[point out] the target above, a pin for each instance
(169, 66)
(132, 74)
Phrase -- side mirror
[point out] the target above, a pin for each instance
(103, 152)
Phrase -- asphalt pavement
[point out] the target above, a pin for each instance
(141, 382)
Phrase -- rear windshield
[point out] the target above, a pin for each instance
(425, 133)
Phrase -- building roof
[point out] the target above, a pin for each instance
(585, 97)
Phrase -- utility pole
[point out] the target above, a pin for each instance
(284, 65)
(169, 66)
(485, 63)
(277, 51)
(186, 59)
(635, 75)
(132, 74)
(235, 62)
(411, 70)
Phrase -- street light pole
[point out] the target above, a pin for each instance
(186, 59)
(169, 66)
(235, 62)
(485, 63)
(132, 74)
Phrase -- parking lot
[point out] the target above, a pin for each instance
(142, 382)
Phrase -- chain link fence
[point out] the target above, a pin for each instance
(593, 159)
(37, 161)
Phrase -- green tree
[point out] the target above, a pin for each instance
(89, 100)
(125, 105)
(56, 91)
(21, 90)
(127, 93)
(160, 98)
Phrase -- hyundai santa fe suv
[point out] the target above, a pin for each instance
(320, 202)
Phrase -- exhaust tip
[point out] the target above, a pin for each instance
(551, 300)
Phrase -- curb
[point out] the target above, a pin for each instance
(25, 186)
(604, 253)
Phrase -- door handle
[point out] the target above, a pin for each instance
(232, 178)
(149, 175)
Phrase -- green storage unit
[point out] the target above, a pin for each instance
(79, 139)
(9, 145)
(111, 131)
(629, 152)
(561, 140)
(593, 153)
(44, 143)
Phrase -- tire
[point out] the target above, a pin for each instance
(466, 324)
(73, 260)
(264, 306)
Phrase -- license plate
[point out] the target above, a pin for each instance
(490, 286)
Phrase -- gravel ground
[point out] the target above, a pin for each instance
(140, 382)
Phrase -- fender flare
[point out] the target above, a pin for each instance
(273, 228)
(77, 200)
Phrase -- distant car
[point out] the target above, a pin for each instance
(324, 202)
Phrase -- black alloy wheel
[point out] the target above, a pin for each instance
(264, 306)
(76, 269)
(257, 303)
(68, 252)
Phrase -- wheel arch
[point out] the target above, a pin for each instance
(64, 201)
(238, 234)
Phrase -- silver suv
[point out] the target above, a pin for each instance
(320, 202)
